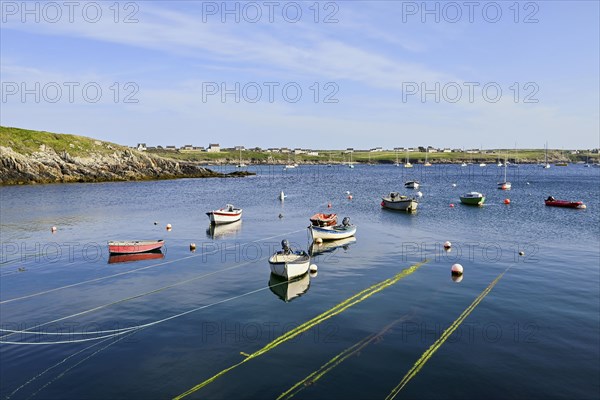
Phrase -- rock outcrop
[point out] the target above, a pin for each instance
(48, 166)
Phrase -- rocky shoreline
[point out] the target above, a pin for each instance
(48, 166)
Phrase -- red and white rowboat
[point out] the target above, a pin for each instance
(225, 215)
(134, 246)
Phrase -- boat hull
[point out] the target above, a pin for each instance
(504, 185)
(565, 204)
(472, 201)
(289, 266)
(219, 217)
(134, 246)
(409, 205)
(411, 185)
(334, 233)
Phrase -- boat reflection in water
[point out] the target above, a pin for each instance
(121, 258)
(330, 246)
(223, 231)
(289, 290)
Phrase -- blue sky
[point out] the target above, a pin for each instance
(370, 73)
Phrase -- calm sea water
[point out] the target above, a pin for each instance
(534, 335)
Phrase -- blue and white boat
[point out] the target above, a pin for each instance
(343, 231)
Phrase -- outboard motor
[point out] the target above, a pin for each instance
(346, 221)
(285, 245)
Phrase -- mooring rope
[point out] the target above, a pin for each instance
(337, 309)
(135, 270)
(31, 332)
(445, 335)
(122, 331)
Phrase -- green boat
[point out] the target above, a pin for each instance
(472, 199)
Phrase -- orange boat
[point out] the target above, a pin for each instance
(320, 219)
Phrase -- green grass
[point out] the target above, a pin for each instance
(26, 141)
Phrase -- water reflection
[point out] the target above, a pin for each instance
(121, 258)
(224, 231)
(330, 246)
(289, 290)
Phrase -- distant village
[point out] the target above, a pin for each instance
(216, 148)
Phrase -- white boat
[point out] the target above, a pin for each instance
(397, 164)
(290, 166)
(288, 290)
(343, 231)
(395, 201)
(225, 215)
(407, 164)
(427, 163)
(464, 164)
(482, 164)
(289, 264)
(546, 164)
(504, 185)
(241, 164)
(282, 196)
(411, 184)
(350, 164)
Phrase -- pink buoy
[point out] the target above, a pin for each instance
(328, 205)
(457, 269)
(506, 201)
(451, 205)
(349, 197)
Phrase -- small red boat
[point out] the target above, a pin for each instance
(551, 201)
(320, 219)
(134, 246)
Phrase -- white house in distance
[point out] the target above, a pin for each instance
(213, 148)
(141, 147)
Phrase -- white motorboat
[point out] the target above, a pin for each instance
(225, 215)
(395, 201)
(289, 264)
(343, 231)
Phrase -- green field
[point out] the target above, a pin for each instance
(28, 141)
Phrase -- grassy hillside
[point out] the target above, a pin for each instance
(26, 141)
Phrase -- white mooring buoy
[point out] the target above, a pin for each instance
(457, 269)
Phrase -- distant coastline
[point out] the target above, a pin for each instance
(29, 157)
(35, 157)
